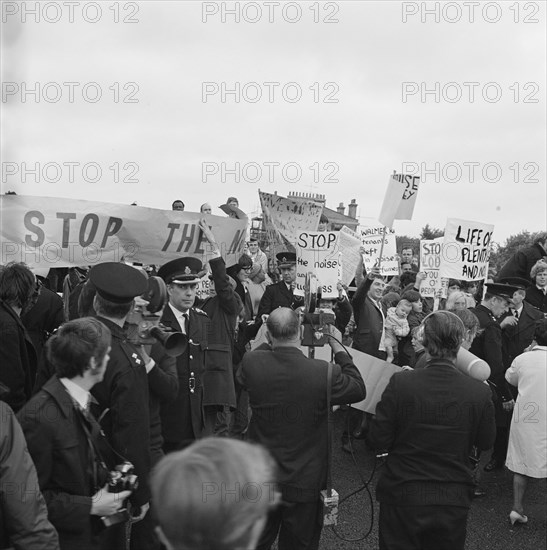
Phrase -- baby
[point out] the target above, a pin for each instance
(396, 326)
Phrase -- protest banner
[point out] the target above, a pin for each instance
(284, 219)
(317, 252)
(430, 263)
(400, 199)
(371, 240)
(348, 250)
(54, 232)
(466, 249)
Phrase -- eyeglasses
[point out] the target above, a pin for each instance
(247, 268)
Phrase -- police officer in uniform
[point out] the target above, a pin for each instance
(122, 396)
(182, 419)
(281, 294)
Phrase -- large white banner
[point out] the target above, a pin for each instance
(466, 249)
(52, 232)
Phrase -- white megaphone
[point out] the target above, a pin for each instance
(470, 364)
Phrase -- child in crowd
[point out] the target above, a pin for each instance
(396, 326)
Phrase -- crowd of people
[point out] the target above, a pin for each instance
(214, 433)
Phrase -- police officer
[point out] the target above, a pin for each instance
(281, 294)
(122, 396)
(182, 419)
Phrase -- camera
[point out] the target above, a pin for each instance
(143, 323)
(122, 478)
(315, 320)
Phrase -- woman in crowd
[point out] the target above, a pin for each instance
(536, 294)
(527, 453)
(214, 495)
(65, 441)
(456, 301)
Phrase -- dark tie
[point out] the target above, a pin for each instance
(186, 321)
(516, 313)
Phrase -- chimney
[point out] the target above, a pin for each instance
(352, 209)
(341, 208)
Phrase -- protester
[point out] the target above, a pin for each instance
(279, 377)
(24, 523)
(457, 300)
(425, 486)
(182, 419)
(536, 293)
(206, 208)
(256, 285)
(178, 205)
(406, 354)
(527, 454)
(521, 263)
(240, 272)
(65, 441)
(219, 396)
(257, 255)
(215, 494)
(18, 360)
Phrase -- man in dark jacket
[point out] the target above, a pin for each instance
(17, 354)
(281, 294)
(123, 395)
(219, 394)
(24, 524)
(520, 264)
(288, 396)
(182, 419)
(427, 421)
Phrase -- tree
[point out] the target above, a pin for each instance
(512, 245)
(429, 233)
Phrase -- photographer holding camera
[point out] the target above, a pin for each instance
(65, 441)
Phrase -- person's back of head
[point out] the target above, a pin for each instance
(214, 495)
(17, 284)
(443, 334)
(540, 333)
(283, 326)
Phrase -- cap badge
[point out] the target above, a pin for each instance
(187, 270)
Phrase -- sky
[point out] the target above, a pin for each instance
(326, 97)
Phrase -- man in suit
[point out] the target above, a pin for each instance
(427, 421)
(518, 326)
(281, 294)
(122, 396)
(65, 441)
(182, 419)
(288, 397)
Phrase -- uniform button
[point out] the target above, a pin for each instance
(191, 374)
(191, 356)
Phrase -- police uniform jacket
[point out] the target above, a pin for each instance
(288, 398)
(518, 337)
(222, 309)
(182, 419)
(278, 295)
(68, 473)
(17, 358)
(488, 346)
(122, 408)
